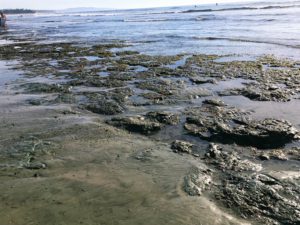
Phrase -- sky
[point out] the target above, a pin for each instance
(64, 4)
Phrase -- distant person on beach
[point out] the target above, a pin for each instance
(2, 20)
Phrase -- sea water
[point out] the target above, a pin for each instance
(244, 29)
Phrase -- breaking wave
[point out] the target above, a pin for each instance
(241, 8)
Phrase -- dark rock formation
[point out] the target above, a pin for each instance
(182, 146)
(229, 125)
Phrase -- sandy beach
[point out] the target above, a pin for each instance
(101, 133)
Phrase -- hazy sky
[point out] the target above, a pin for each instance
(62, 4)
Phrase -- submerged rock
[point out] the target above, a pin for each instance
(182, 146)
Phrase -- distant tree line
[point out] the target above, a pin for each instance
(17, 11)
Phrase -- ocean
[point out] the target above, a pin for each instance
(244, 30)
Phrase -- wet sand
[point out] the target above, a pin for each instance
(92, 174)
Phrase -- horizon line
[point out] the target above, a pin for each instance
(107, 9)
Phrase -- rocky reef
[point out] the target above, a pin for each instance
(158, 106)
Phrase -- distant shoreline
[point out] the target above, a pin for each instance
(18, 11)
(23, 11)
